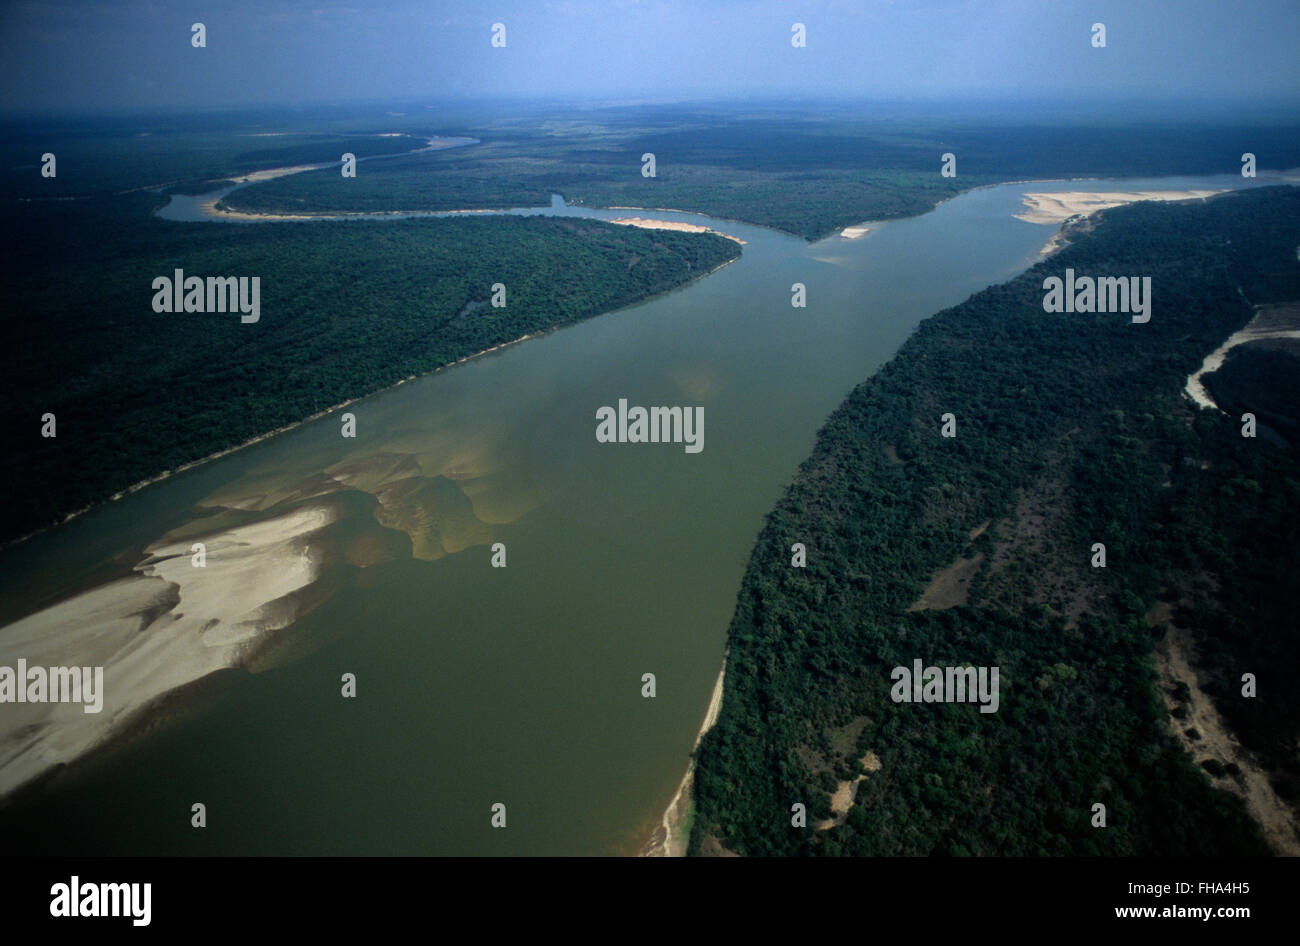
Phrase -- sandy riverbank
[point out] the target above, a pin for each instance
(1057, 207)
(164, 627)
(1274, 321)
(650, 224)
(670, 837)
(210, 209)
(1076, 206)
(270, 174)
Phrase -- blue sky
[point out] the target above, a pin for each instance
(70, 54)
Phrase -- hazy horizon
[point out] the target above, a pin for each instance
(137, 56)
(1092, 111)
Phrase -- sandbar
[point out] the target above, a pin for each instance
(161, 628)
(1057, 207)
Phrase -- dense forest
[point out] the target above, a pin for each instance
(347, 308)
(109, 156)
(806, 175)
(1263, 378)
(1070, 430)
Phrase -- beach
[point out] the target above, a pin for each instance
(672, 835)
(1278, 321)
(649, 224)
(165, 626)
(1057, 207)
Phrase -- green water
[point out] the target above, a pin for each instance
(521, 685)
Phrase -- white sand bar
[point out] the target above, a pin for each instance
(648, 224)
(159, 629)
(1274, 321)
(1058, 207)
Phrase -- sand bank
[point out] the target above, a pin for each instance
(164, 627)
(670, 838)
(1275, 321)
(648, 224)
(1054, 208)
(432, 144)
(272, 173)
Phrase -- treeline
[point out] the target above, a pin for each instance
(110, 156)
(810, 203)
(1071, 430)
(347, 308)
(809, 176)
(1232, 531)
(1261, 377)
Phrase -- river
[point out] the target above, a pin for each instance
(519, 685)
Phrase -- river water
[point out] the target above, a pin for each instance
(519, 685)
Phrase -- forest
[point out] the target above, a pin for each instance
(1071, 430)
(347, 308)
(805, 174)
(104, 157)
(1263, 378)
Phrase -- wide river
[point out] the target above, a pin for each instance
(519, 685)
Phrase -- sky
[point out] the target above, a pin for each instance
(125, 54)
